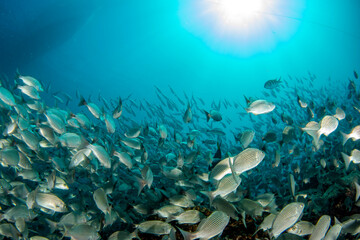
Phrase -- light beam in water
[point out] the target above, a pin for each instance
(242, 27)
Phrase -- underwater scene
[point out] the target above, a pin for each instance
(179, 119)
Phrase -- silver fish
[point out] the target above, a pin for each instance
(260, 107)
(209, 227)
(286, 218)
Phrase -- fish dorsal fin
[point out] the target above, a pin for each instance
(236, 177)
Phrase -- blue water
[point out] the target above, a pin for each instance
(122, 47)
(104, 50)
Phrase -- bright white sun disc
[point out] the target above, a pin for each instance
(239, 11)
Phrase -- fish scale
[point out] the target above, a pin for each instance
(321, 228)
(287, 217)
(210, 227)
(248, 159)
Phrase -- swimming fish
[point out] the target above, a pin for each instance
(260, 107)
(271, 84)
(286, 218)
(209, 227)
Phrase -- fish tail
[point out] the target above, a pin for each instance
(345, 137)
(82, 101)
(210, 195)
(236, 138)
(135, 234)
(142, 183)
(207, 115)
(170, 218)
(256, 230)
(347, 160)
(17, 74)
(186, 235)
(357, 190)
(53, 225)
(316, 135)
(236, 178)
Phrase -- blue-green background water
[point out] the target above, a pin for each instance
(123, 47)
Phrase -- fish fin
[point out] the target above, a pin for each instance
(272, 236)
(82, 101)
(243, 217)
(135, 234)
(53, 225)
(337, 221)
(236, 138)
(170, 218)
(236, 178)
(357, 189)
(172, 235)
(186, 235)
(210, 195)
(347, 160)
(142, 183)
(17, 74)
(247, 100)
(207, 115)
(345, 137)
(258, 229)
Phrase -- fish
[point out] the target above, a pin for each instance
(302, 102)
(154, 227)
(101, 154)
(267, 223)
(260, 107)
(292, 184)
(209, 227)
(271, 84)
(247, 160)
(123, 235)
(118, 110)
(50, 201)
(340, 114)
(247, 137)
(78, 175)
(354, 135)
(321, 228)
(187, 217)
(29, 91)
(7, 97)
(82, 231)
(226, 185)
(286, 218)
(333, 232)
(302, 228)
(187, 115)
(101, 201)
(92, 107)
(213, 114)
(270, 137)
(251, 207)
(8, 230)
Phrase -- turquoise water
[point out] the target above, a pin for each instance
(112, 44)
(164, 59)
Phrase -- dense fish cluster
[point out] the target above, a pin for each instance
(128, 168)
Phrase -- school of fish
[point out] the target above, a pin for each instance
(84, 169)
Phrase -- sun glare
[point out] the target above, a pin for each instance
(239, 11)
(242, 27)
